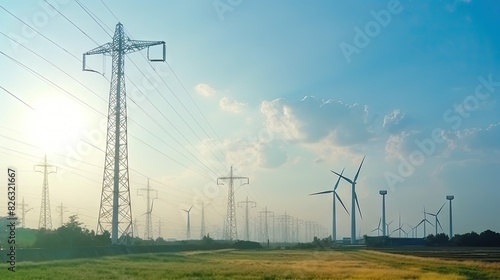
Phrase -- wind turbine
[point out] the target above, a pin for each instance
(378, 227)
(400, 229)
(354, 201)
(335, 196)
(437, 220)
(424, 220)
(387, 225)
(188, 232)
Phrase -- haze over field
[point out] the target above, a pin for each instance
(284, 91)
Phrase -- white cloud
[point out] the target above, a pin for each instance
(395, 121)
(231, 105)
(280, 119)
(312, 119)
(205, 90)
(475, 140)
(256, 153)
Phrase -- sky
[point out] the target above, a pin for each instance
(283, 91)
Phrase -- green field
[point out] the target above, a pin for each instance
(260, 264)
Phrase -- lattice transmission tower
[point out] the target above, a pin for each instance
(115, 211)
(247, 227)
(45, 221)
(231, 232)
(148, 234)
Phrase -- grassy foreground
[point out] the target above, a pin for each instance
(278, 264)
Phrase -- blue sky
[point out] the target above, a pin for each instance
(271, 90)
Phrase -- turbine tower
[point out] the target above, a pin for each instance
(202, 231)
(45, 221)
(188, 230)
(335, 196)
(115, 208)
(230, 224)
(450, 198)
(437, 220)
(354, 201)
(247, 203)
(383, 193)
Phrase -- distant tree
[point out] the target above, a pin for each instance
(207, 239)
(440, 239)
(489, 238)
(71, 234)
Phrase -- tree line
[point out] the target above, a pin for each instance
(487, 238)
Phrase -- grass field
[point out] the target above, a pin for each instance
(275, 264)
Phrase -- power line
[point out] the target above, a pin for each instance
(71, 22)
(19, 99)
(171, 106)
(38, 32)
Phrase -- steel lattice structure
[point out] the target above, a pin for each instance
(115, 209)
(45, 221)
(247, 203)
(230, 226)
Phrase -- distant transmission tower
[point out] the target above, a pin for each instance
(61, 209)
(45, 221)
(23, 213)
(115, 209)
(202, 231)
(159, 228)
(231, 231)
(247, 203)
(150, 202)
(266, 224)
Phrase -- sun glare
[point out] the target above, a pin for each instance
(56, 124)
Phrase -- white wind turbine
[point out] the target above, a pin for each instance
(335, 196)
(437, 220)
(378, 229)
(188, 231)
(354, 201)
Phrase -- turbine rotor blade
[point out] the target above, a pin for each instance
(342, 176)
(429, 222)
(338, 180)
(338, 197)
(439, 223)
(357, 203)
(321, 192)
(440, 209)
(419, 223)
(357, 173)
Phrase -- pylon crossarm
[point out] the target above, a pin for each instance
(135, 45)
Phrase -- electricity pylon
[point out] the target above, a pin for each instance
(45, 221)
(159, 228)
(61, 209)
(148, 234)
(266, 224)
(115, 209)
(253, 205)
(231, 230)
(23, 213)
(285, 223)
